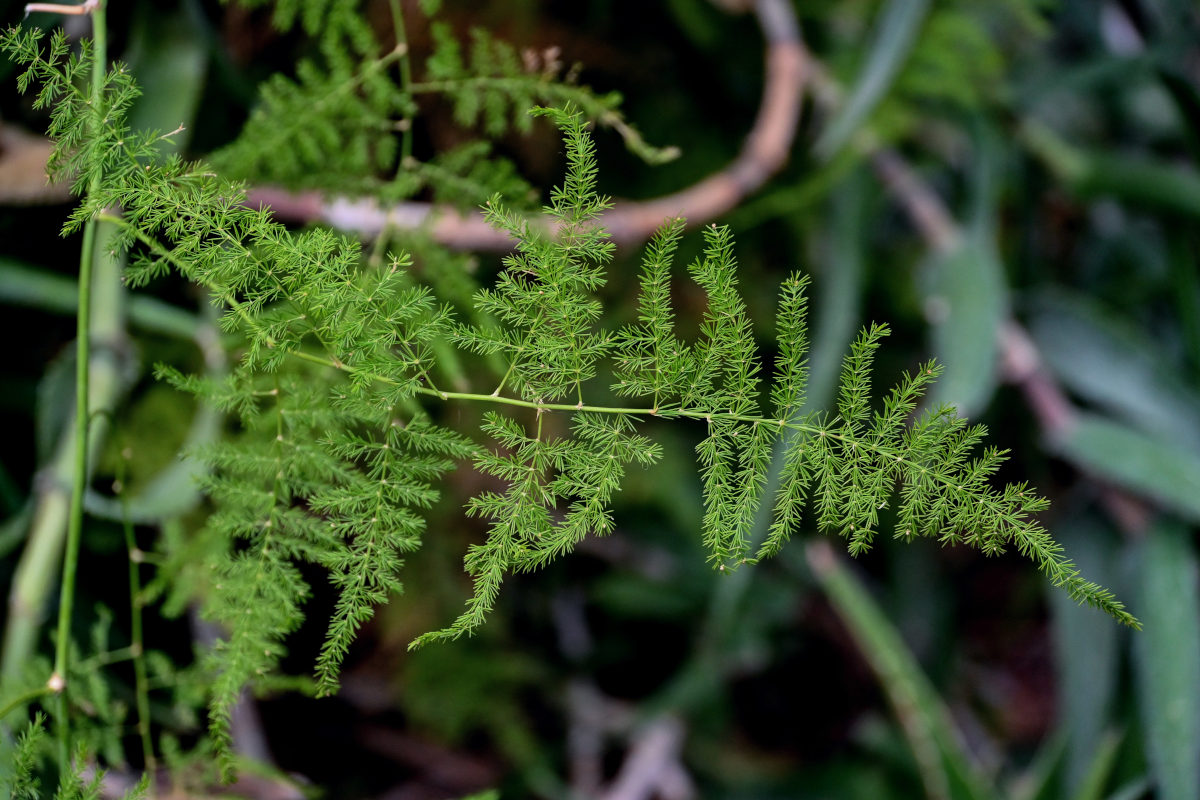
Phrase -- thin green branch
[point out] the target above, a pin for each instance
(166, 254)
(406, 140)
(108, 657)
(25, 697)
(665, 413)
(82, 347)
(279, 134)
(27, 285)
(137, 640)
(1062, 571)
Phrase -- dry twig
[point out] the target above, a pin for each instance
(652, 767)
(763, 154)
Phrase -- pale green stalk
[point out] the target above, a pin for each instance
(406, 80)
(665, 413)
(80, 473)
(137, 641)
(26, 285)
(33, 582)
(22, 699)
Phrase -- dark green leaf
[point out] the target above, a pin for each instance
(1168, 660)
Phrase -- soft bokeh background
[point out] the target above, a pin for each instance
(1011, 185)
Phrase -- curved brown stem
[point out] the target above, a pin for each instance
(764, 153)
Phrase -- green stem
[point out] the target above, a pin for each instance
(40, 565)
(26, 285)
(137, 640)
(504, 380)
(118, 656)
(163, 252)
(663, 413)
(82, 347)
(406, 139)
(23, 698)
(277, 135)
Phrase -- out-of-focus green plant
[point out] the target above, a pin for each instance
(1057, 213)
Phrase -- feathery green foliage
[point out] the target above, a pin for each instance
(327, 128)
(494, 86)
(650, 360)
(333, 126)
(336, 452)
(543, 474)
(543, 303)
(23, 783)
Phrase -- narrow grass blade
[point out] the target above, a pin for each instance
(1162, 469)
(945, 768)
(968, 294)
(894, 36)
(1087, 686)
(1136, 789)
(1039, 781)
(1101, 769)
(25, 285)
(1141, 183)
(839, 288)
(1112, 364)
(967, 308)
(1167, 660)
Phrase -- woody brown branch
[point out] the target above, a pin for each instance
(763, 154)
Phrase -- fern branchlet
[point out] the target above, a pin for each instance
(337, 452)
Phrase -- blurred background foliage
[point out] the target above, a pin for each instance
(1057, 279)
